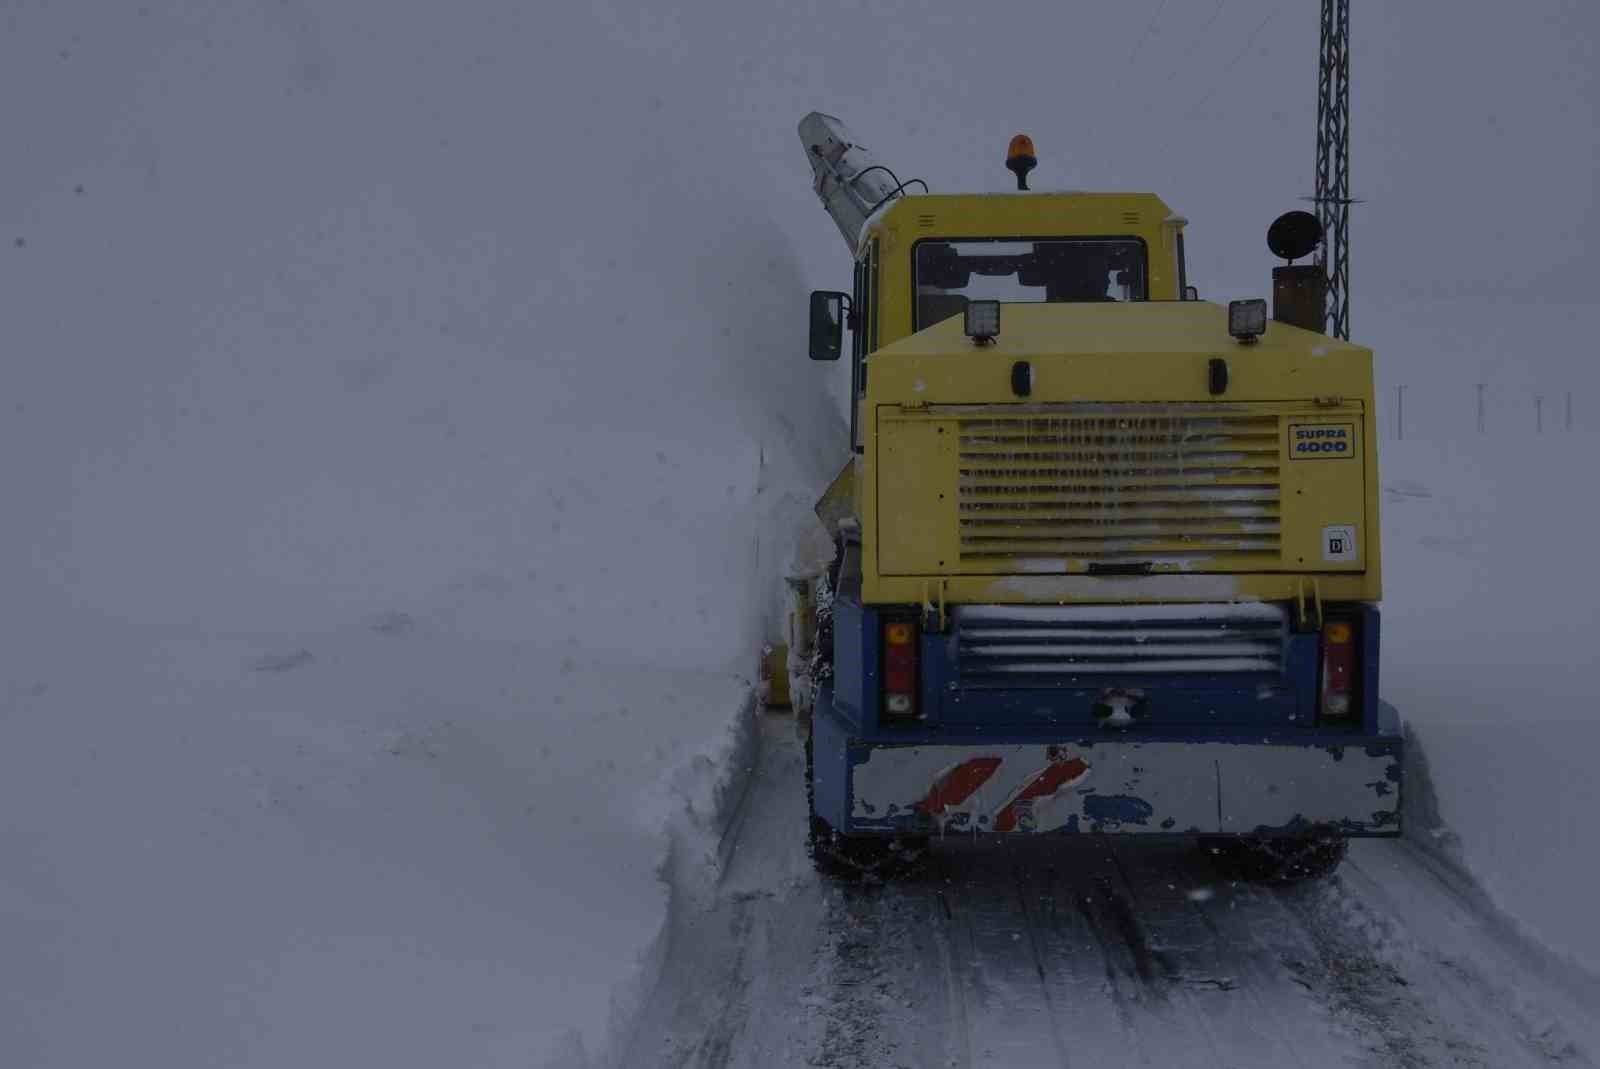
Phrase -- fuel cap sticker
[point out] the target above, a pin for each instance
(1339, 544)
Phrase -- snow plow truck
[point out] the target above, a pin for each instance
(1106, 554)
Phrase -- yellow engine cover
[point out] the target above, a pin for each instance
(1119, 476)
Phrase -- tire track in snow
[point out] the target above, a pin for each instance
(1387, 1007)
(882, 990)
(1464, 951)
(1201, 971)
(1331, 941)
(997, 966)
(1031, 928)
(1140, 978)
(1267, 988)
(954, 993)
(857, 987)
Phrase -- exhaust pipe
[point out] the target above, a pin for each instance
(1300, 296)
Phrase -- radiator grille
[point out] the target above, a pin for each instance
(1195, 486)
(1041, 645)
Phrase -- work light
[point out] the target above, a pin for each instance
(1247, 320)
(983, 321)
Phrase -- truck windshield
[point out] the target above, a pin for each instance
(948, 274)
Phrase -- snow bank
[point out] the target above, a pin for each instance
(400, 473)
(1489, 621)
(381, 844)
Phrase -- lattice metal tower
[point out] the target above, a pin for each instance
(1333, 162)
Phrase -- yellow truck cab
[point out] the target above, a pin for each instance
(1107, 555)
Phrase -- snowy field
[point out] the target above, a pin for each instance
(405, 426)
(1488, 652)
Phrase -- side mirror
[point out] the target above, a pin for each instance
(1191, 293)
(827, 324)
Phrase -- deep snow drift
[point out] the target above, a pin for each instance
(395, 518)
(313, 848)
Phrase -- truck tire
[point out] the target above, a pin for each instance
(1277, 860)
(866, 858)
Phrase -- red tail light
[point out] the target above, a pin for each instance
(899, 669)
(1339, 675)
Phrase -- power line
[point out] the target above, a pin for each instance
(1194, 45)
(1133, 54)
(1249, 42)
(1149, 28)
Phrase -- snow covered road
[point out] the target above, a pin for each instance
(1097, 953)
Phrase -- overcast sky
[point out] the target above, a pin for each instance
(161, 152)
(1475, 124)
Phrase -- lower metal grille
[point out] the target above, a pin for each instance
(1015, 643)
